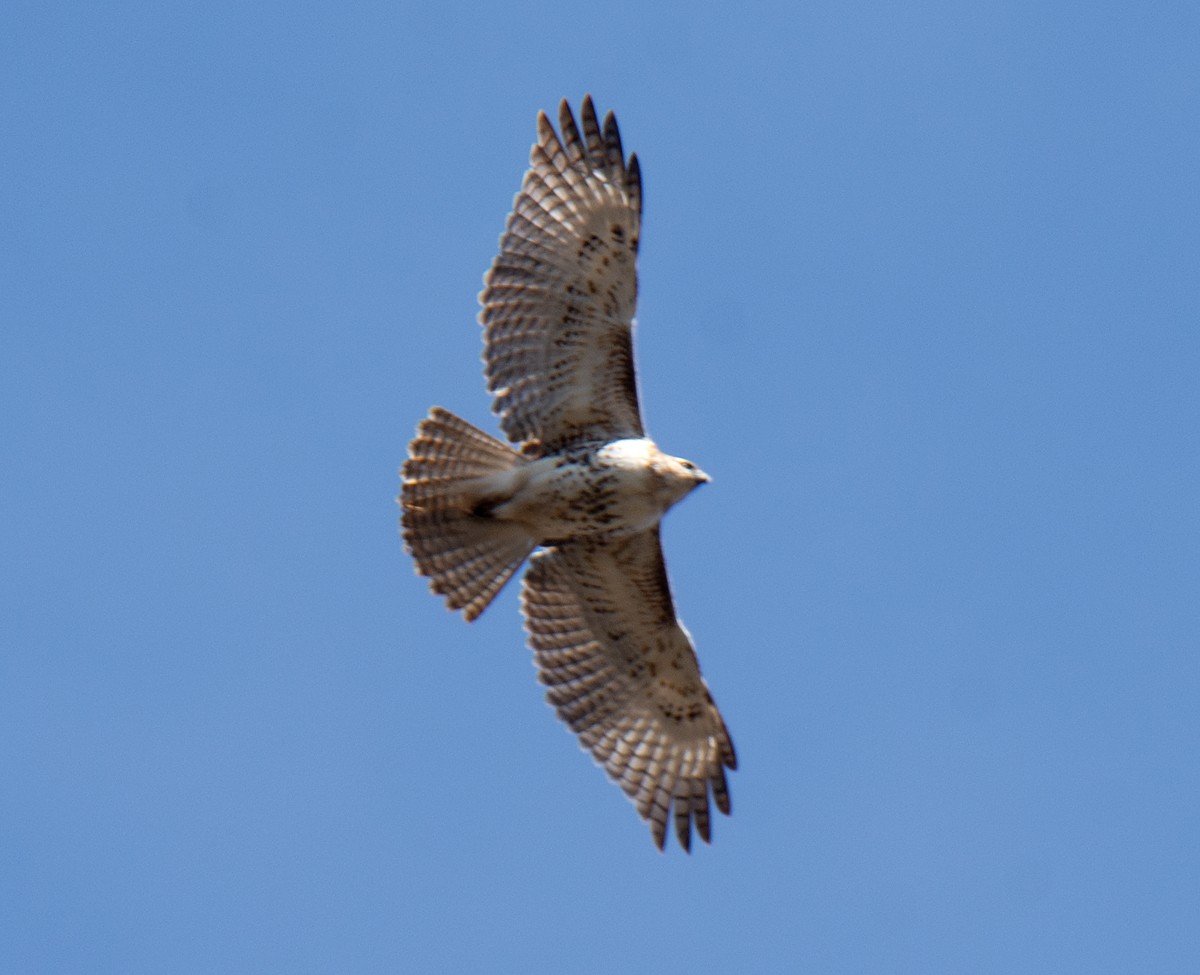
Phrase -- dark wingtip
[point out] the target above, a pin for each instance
(683, 832)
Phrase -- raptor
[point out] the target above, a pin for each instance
(579, 490)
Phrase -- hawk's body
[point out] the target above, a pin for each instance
(610, 489)
(587, 486)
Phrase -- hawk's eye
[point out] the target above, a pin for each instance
(688, 465)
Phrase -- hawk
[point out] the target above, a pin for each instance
(582, 493)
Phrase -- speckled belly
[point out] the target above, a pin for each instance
(565, 497)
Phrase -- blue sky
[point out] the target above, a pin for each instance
(919, 290)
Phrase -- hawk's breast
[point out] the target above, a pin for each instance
(606, 489)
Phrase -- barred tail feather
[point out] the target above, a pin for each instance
(467, 556)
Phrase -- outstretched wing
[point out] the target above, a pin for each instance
(559, 299)
(623, 674)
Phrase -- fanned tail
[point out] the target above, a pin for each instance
(453, 472)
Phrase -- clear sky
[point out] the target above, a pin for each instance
(919, 290)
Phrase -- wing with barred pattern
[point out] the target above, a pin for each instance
(622, 672)
(559, 299)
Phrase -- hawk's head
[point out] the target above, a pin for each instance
(677, 476)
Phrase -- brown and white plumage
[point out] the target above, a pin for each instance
(558, 302)
(586, 487)
(623, 674)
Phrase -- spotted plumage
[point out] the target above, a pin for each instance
(583, 490)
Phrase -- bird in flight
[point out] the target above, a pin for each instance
(583, 490)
